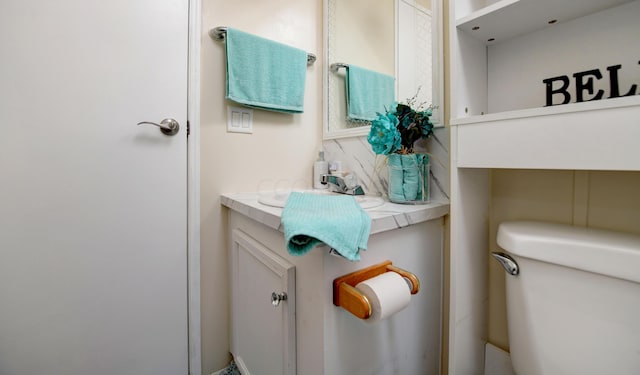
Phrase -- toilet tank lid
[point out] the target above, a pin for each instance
(601, 251)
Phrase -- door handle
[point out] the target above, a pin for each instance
(167, 126)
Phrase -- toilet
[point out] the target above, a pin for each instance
(573, 299)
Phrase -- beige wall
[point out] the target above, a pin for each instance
(281, 147)
(607, 200)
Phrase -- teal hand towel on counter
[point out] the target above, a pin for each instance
(265, 74)
(368, 93)
(337, 221)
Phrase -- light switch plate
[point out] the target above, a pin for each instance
(239, 120)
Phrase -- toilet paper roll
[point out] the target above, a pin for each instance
(388, 293)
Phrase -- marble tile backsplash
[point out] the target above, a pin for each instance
(356, 155)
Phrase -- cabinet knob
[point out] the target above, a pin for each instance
(277, 297)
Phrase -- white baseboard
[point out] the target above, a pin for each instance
(497, 361)
(221, 371)
(237, 364)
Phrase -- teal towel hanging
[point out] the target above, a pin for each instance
(368, 93)
(265, 74)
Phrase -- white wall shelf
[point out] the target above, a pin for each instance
(510, 18)
(629, 101)
(602, 135)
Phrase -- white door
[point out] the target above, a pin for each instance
(92, 207)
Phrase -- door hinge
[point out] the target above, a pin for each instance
(188, 128)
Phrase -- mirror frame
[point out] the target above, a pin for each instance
(437, 72)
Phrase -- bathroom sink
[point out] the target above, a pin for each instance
(369, 201)
(276, 199)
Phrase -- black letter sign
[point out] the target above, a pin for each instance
(562, 90)
(587, 86)
(584, 83)
(613, 82)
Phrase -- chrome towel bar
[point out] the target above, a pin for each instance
(219, 33)
(336, 66)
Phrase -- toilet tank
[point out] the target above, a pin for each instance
(574, 306)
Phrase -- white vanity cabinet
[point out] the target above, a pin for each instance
(323, 338)
(263, 339)
(501, 53)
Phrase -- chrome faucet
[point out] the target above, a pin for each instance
(347, 185)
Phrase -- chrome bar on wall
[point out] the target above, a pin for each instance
(336, 66)
(219, 33)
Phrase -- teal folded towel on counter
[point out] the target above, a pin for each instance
(265, 74)
(337, 221)
(368, 93)
(406, 174)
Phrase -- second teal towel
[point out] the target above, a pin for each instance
(368, 93)
(406, 177)
(337, 221)
(265, 74)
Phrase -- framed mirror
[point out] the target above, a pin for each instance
(398, 38)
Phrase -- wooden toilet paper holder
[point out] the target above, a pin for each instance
(349, 298)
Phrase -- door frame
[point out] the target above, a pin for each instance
(193, 188)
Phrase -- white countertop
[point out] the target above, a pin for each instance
(387, 217)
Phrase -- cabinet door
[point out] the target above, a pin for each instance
(262, 331)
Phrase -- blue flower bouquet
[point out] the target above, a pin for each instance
(393, 134)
